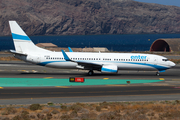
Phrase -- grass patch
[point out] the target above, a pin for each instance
(34, 107)
(50, 103)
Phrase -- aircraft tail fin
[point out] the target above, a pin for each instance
(22, 42)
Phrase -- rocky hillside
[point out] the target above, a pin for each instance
(81, 17)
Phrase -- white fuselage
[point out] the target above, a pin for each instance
(124, 61)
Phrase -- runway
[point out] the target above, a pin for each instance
(19, 69)
(167, 89)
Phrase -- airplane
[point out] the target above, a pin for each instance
(27, 51)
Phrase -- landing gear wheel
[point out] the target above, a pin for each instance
(90, 72)
(157, 73)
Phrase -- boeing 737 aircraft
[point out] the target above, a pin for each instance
(103, 62)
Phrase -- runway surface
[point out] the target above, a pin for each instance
(167, 89)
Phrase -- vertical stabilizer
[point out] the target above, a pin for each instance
(22, 42)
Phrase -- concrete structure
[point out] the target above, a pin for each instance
(53, 47)
(102, 49)
(166, 45)
(88, 49)
(46, 45)
(80, 49)
(65, 49)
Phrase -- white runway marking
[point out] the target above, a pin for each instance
(8, 65)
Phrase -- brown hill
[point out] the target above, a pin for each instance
(80, 17)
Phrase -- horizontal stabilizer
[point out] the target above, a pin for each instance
(14, 52)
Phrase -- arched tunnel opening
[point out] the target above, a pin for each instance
(160, 46)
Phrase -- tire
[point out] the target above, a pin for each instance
(157, 74)
(90, 73)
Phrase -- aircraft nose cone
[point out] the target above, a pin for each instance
(172, 64)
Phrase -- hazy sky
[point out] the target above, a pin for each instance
(164, 2)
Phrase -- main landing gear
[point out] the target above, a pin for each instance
(90, 72)
(157, 73)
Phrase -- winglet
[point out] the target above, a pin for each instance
(70, 50)
(65, 56)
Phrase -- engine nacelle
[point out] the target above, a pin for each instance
(109, 69)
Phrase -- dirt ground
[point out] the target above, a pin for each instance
(154, 110)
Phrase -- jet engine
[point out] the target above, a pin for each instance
(109, 69)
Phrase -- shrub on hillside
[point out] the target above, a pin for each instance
(34, 107)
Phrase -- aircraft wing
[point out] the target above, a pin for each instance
(83, 64)
(88, 65)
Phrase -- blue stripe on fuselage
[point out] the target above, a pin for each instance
(20, 37)
(158, 67)
(47, 62)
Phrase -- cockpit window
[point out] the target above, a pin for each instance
(165, 60)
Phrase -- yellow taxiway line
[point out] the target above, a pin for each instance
(48, 77)
(62, 86)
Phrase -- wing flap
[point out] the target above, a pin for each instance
(90, 64)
